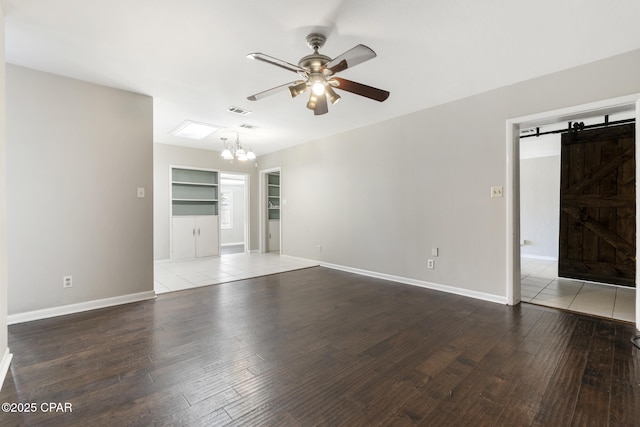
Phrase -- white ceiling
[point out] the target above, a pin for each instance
(190, 55)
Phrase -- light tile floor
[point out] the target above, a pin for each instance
(541, 285)
(178, 275)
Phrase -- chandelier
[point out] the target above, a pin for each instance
(235, 151)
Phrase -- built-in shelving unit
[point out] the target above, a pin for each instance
(194, 213)
(273, 195)
(194, 192)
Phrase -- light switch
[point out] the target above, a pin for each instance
(434, 251)
(496, 192)
(140, 192)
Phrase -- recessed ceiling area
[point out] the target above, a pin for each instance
(190, 56)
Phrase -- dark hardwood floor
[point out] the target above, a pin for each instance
(323, 347)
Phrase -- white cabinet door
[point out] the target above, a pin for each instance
(194, 236)
(207, 241)
(274, 235)
(183, 229)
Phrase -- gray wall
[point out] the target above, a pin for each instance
(77, 153)
(166, 155)
(382, 206)
(3, 199)
(540, 206)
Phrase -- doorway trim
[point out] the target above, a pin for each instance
(512, 187)
(262, 211)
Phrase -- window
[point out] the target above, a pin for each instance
(226, 209)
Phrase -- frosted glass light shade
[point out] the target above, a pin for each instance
(226, 154)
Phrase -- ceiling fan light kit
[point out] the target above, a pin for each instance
(318, 72)
(332, 95)
(298, 89)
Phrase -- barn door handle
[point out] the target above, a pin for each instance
(194, 231)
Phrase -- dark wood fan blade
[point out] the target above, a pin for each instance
(360, 89)
(351, 58)
(321, 105)
(273, 90)
(277, 62)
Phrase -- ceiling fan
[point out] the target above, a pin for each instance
(318, 72)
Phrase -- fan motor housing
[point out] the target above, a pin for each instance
(314, 61)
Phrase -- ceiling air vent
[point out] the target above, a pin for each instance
(238, 110)
(246, 126)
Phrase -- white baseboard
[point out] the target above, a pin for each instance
(421, 283)
(4, 366)
(542, 257)
(232, 244)
(297, 258)
(46, 313)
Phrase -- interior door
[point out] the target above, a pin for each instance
(597, 205)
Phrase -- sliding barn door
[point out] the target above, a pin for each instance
(597, 205)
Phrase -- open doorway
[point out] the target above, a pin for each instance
(577, 215)
(517, 243)
(234, 211)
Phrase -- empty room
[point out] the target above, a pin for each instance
(346, 214)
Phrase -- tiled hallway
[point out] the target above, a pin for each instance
(178, 275)
(541, 285)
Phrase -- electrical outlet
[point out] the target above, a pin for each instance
(430, 264)
(67, 282)
(496, 192)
